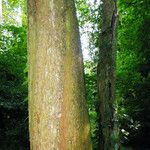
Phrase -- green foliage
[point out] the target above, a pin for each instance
(13, 90)
(89, 16)
(92, 101)
(133, 72)
(14, 12)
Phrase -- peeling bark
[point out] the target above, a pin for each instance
(58, 117)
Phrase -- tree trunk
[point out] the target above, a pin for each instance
(106, 72)
(58, 117)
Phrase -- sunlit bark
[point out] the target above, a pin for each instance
(58, 118)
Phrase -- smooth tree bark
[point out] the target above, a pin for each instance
(58, 117)
(106, 73)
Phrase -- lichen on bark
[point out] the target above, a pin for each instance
(58, 117)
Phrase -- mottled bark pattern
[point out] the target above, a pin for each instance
(58, 118)
(106, 72)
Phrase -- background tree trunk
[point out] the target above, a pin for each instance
(106, 72)
(58, 117)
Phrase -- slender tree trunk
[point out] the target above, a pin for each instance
(106, 72)
(58, 117)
